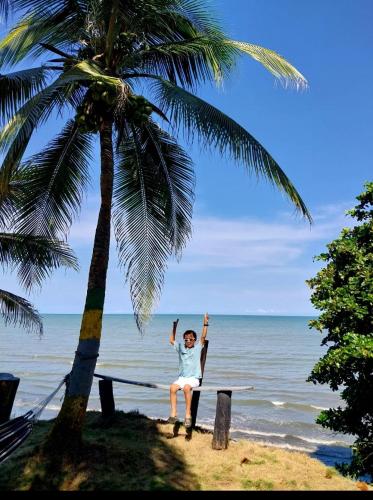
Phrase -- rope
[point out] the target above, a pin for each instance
(37, 410)
(15, 431)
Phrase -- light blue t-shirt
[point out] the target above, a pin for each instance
(189, 360)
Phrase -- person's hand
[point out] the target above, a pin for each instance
(206, 320)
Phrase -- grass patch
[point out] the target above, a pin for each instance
(135, 453)
(330, 472)
(259, 484)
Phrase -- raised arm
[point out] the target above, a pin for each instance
(173, 333)
(204, 328)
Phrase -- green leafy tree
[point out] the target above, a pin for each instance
(343, 291)
(32, 256)
(127, 71)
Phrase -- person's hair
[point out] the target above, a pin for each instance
(188, 332)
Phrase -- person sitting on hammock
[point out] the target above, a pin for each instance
(189, 369)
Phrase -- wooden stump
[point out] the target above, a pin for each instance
(105, 388)
(222, 425)
(8, 389)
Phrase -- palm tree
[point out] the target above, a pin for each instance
(127, 71)
(34, 257)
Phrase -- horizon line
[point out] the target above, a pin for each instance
(188, 314)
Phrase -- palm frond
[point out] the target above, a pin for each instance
(12, 188)
(17, 88)
(6, 8)
(219, 131)
(276, 64)
(17, 310)
(177, 39)
(16, 134)
(170, 19)
(86, 70)
(189, 61)
(40, 105)
(56, 179)
(199, 13)
(178, 181)
(56, 23)
(34, 256)
(152, 199)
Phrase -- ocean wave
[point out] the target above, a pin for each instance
(292, 441)
(286, 446)
(252, 432)
(38, 376)
(298, 406)
(321, 441)
(308, 407)
(54, 407)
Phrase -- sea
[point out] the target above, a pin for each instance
(274, 354)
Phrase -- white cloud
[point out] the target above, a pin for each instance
(240, 243)
(244, 265)
(236, 243)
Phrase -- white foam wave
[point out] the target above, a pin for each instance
(58, 407)
(297, 405)
(259, 433)
(319, 441)
(283, 436)
(287, 446)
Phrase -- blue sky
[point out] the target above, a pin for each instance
(250, 254)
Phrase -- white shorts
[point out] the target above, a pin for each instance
(182, 381)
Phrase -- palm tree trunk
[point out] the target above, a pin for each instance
(68, 426)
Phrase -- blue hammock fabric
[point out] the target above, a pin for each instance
(15, 431)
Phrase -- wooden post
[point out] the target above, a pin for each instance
(8, 389)
(196, 395)
(107, 398)
(222, 420)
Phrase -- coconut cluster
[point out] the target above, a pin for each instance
(138, 109)
(100, 100)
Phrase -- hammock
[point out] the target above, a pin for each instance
(15, 431)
